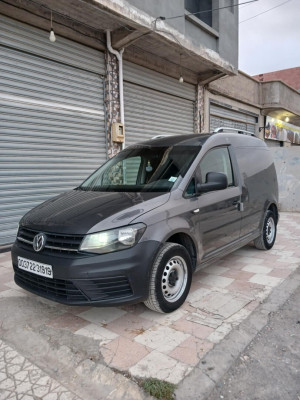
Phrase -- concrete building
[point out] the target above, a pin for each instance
(290, 76)
(66, 104)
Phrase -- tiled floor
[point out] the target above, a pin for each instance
(145, 343)
(20, 379)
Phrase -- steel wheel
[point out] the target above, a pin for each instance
(174, 279)
(170, 278)
(270, 230)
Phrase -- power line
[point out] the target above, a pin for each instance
(206, 11)
(263, 12)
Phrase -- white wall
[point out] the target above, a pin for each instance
(287, 162)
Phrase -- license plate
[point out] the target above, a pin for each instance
(35, 267)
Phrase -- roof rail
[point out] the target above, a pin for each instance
(233, 130)
(160, 136)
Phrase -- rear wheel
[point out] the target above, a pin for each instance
(170, 279)
(267, 237)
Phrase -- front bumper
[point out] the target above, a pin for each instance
(100, 280)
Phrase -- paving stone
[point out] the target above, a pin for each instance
(216, 270)
(191, 350)
(97, 332)
(214, 280)
(122, 353)
(198, 295)
(163, 339)
(69, 321)
(162, 319)
(201, 318)
(192, 327)
(223, 304)
(257, 269)
(265, 280)
(129, 325)
(103, 315)
(219, 333)
(160, 366)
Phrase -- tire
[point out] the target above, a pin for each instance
(170, 279)
(267, 237)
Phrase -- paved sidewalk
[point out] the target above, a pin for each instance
(135, 340)
(20, 379)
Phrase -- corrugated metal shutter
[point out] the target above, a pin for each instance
(52, 133)
(154, 80)
(15, 34)
(155, 105)
(228, 118)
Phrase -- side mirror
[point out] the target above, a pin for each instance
(214, 181)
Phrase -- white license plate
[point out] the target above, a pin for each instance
(35, 267)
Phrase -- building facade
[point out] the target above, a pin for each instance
(289, 76)
(110, 79)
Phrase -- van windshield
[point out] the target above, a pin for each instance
(142, 169)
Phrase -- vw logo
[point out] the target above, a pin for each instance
(39, 242)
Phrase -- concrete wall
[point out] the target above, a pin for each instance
(277, 94)
(287, 162)
(241, 87)
(222, 37)
(290, 76)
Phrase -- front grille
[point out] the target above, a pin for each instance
(56, 289)
(77, 291)
(105, 288)
(55, 243)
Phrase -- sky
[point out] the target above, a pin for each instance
(270, 41)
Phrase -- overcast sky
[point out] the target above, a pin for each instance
(271, 41)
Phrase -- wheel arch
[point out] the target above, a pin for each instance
(273, 207)
(186, 241)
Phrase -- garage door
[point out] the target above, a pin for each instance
(52, 132)
(155, 105)
(228, 118)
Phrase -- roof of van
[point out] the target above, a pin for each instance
(173, 140)
(194, 139)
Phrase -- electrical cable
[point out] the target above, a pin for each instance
(202, 12)
(263, 12)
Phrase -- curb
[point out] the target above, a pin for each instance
(206, 375)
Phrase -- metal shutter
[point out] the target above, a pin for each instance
(155, 104)
(228, 118)
(52, 133)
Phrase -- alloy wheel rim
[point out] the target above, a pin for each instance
(174, 279)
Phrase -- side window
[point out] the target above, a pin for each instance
(217, 160)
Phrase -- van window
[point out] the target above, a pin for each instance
(217, 160)
(143, 169)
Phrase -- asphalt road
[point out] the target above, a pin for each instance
(269, 368)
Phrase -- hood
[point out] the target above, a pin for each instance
(80, 212)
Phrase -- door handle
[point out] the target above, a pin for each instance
(196, 211)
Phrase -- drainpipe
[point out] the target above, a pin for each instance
(119, 55)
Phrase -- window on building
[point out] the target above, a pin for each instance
(201, 9)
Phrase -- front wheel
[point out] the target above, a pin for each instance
(267, 237)
(170, 279)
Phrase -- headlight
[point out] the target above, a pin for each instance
(113, 240)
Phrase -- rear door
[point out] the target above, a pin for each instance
(219, 216)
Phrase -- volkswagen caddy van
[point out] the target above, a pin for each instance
(138, 227)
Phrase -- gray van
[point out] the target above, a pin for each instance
(139, 226)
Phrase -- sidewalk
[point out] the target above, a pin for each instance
(91, 350)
